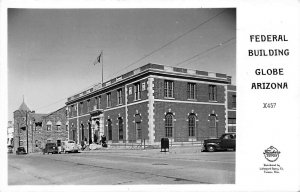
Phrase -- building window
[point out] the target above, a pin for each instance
(120, 128)
(234, 101)
(58, 143)
(231, 120)
(212, 126)
(72, 110)
(212, 92)
(143, 86)
(96, 103)
(82, 132)
(67, 126)
(169, 125)
(137, 91)
(88, 105)
(138, 127)
(119, 96)
(108, 97)
(169, 89)
(36, 143)
(80, 108)
(192, 125)
(49, 126)
(109, 126)
(74, 134)
(232, 128)
(58, 126)
(191, 91)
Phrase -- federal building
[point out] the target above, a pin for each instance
(153, 102)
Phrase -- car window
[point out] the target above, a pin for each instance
(226, 137)
(71, 142)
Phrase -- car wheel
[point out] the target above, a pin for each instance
(211, 148)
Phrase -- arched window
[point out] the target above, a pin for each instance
(49, 126)
(169, 124)
(82, 132)
(74, 133)
(192, 125)
(120, 121)
(138, 127)
(58, 126)
(212, 126)
(109, 126)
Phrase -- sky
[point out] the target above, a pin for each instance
(51, 51)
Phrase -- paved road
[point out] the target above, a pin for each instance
(117, 167)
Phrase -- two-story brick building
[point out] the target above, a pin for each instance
(152, 102)
(33, 130)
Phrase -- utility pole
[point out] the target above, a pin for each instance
(19, 133)
(27, 131)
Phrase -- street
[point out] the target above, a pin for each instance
(182, 165)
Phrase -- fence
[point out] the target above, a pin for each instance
(143, 144)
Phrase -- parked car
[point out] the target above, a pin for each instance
(69, 146)
(21, 150)
(225, 142)
(50, 148)
(10, 149)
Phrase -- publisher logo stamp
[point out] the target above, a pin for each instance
(271, 154)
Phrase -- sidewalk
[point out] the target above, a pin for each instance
(149, 150)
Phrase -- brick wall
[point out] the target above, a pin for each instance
(180, 91)
(231, 104)
(56, 133)
(113, 115)
(142, 110)
(181, 112)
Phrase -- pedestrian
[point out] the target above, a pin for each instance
(43, 146)
(82, 145)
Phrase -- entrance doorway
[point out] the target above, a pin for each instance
(74, 135)
(109, 126)
(90, 133)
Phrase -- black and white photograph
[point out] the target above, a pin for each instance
(149, 95)
(121, 96)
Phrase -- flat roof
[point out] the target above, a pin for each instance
(153, 67)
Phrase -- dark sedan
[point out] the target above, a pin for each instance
(225, 142)
(21, 150)
(50, 148)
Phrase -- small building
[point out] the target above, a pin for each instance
(10, 134)
(33, 130)
(153, 102)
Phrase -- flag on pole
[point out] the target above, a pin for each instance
(98, 60)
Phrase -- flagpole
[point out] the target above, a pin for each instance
(102, 66)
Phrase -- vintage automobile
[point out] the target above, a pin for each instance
(21, 150)
(50, 148)
(225, 142)
(10, 149)
(69, 146)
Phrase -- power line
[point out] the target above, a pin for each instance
(154, 51)
(170, 42)
(205, 51)
(52, 103)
